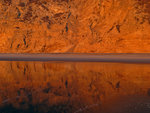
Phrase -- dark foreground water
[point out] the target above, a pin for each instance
(72, 87)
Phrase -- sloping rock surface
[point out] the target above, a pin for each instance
(83, 26)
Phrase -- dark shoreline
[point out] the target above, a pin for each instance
(107, 57)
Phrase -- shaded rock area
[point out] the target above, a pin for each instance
(58, 87)
(84, 26)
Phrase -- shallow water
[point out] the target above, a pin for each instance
(74, 87)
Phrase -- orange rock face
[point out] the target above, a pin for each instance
(84, 26)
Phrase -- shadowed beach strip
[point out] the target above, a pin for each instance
(129, 58)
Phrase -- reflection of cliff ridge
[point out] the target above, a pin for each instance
(76, 85)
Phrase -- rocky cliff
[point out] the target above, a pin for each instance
(84, 26)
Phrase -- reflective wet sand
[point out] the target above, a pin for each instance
(72, 87)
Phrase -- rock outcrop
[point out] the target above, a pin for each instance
(83, 26)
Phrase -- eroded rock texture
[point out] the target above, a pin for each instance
(94, 26)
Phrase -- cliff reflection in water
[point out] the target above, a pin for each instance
(59, 87)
